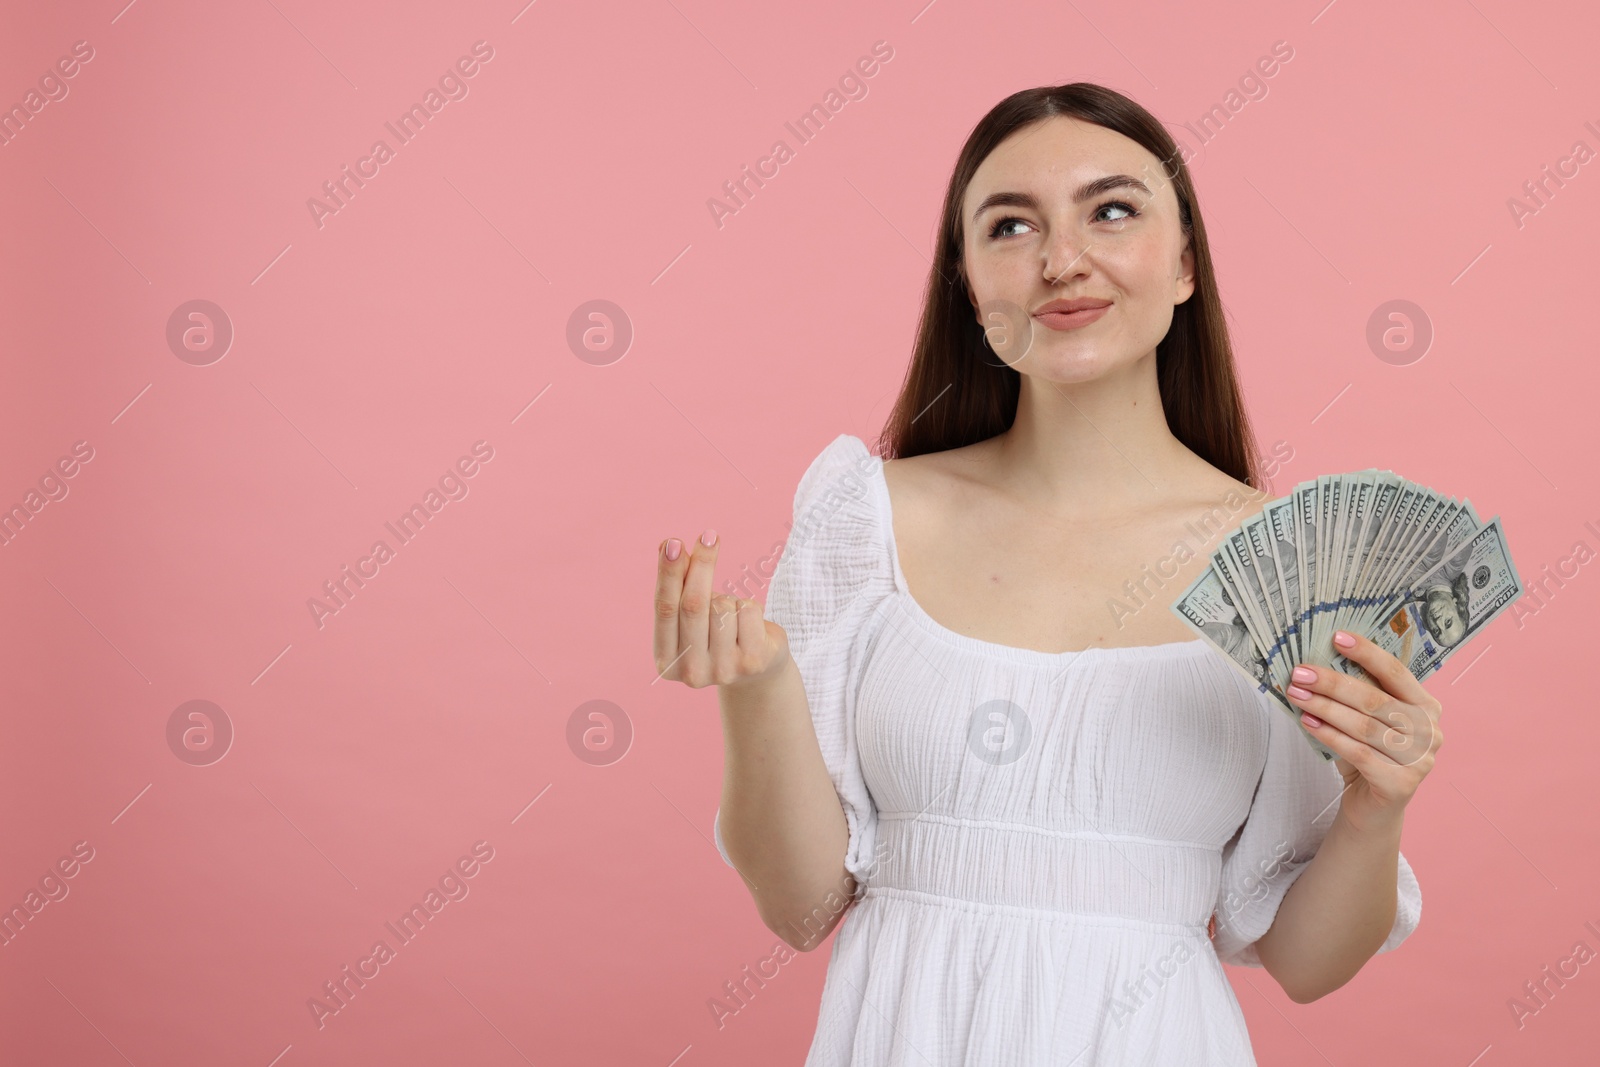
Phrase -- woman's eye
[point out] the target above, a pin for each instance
(1118, 205)
(1128, 211)
(995, 230)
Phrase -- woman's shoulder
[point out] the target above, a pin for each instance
(835, 565)
(846, 469)
(938, 476)
(1205, 486)
(836, 510)
(841, 456)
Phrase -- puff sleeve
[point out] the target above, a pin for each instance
(832, 573)
(1295, 803)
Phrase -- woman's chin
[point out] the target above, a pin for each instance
(1065, 366)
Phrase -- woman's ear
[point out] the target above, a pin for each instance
(1184, 287)
(966, 286)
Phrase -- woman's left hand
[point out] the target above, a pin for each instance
(1385, 739)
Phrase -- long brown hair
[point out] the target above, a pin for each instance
(956, 393)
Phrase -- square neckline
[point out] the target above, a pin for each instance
(885, 514)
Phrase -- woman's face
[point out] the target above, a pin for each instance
(1122, 246)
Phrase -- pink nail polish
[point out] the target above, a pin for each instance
(1304, 674)
(1343, 640)
(708, 538)
(674, 547)
(1298, 693)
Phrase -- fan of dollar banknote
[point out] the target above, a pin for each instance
(1368, 552)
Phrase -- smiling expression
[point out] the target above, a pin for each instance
(1064, 210)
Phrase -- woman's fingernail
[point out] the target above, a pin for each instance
(708, 538)
(674, 546)
(1304, 674)
(1298, 693)
(1344, 640)
(1310, 719)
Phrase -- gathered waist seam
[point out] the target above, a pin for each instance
(1043, 831)
(1077, 918)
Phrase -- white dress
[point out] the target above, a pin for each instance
(1041, 837)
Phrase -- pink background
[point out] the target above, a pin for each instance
(371, 352)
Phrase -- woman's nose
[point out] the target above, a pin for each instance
(1064, 256)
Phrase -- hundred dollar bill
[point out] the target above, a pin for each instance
(1208, 609)
(1358, 509)
(1459, 522)
(1264, 563)
(1281, 526)
(1244, 591)
(1308, 531)
(1436, 614)
(1355, 606)
(1335, 492)
(1448, 523)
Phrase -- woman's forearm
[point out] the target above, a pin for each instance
(781, 821)
(1338, 912)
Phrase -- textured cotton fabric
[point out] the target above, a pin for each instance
(1042, 838)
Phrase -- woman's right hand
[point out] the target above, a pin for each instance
(701, 639)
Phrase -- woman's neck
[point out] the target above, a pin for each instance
(1103, 443)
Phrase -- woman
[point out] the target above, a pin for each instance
(1043, 817)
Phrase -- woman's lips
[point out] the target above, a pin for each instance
(1071, 320)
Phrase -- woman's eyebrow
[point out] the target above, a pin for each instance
(1085, 192)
